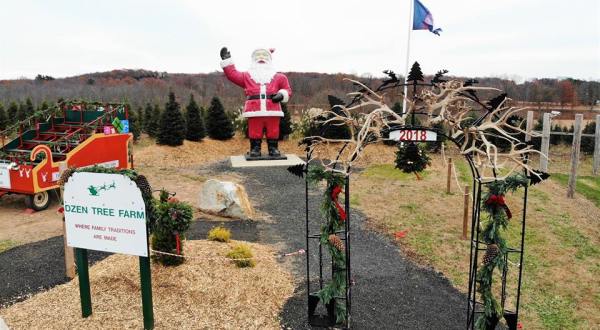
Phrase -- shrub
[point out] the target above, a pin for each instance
(172, 128)
(242, 255)
(219, 234)
(173, 219)
(218, 125)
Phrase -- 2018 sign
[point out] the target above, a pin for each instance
(416, 135)
(105, 212)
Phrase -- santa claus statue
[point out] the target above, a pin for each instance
(265, 90)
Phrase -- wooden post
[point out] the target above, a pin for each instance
(465, 213)
(596, 166)
(449, 178)
(545, 143)
(529, 126)
(69, 255)
(575, 155)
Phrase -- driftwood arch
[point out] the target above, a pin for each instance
(440, 101)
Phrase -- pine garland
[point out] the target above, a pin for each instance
(334, 221)
(491, 234)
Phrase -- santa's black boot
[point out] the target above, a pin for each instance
(255, 148)
(273, 150)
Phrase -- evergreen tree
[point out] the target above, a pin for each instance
(151, 119)
(43, 106)
(134, 124)
(415, 74)
(285, 124)
(29, 110)
(12, 111)
(22, 112)
(3, 118)
(172, 125)
(140, 118)
(147, 118)
(568, 139)
(555, 138)
(218, 125)
(587, 142)
(194, 121)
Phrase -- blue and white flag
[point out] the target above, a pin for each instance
(422, 18)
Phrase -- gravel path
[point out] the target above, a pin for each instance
(34, 267)
(390, 291)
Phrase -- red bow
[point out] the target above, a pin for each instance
(334, 197)
(498, 200)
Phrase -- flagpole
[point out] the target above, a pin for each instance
(410, 23)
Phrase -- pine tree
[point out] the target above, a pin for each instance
(29, 110)
(151, 119)
(140, 117)
(43, 106)
(172, 125)
(12, 111)
(587, 143)
(285, 124)
(147, 118)
(3, 118)
(194, 121)
(218, 125)
(134, 124)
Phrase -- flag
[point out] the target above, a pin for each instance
(422, 18)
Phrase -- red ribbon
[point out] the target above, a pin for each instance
(177, 243)
(334, 197)
(498, 200)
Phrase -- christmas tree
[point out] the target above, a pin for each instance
(285, 124)
(218, 125)
(43, 106)
(25, 109)
(194, 121)
(134, 124)
(12, 110)
(3, 118)
(172, 126)
(151, 119)
(140, 116)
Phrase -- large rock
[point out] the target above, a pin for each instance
(226, 199)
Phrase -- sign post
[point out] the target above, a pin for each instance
(106, 212)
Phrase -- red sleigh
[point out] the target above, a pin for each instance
(72, 135)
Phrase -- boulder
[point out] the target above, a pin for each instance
(225, 198)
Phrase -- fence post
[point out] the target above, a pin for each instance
(449, 178)
(465, 213)
(545, 143)
(529, 126)
(596, 165)
(575, 155)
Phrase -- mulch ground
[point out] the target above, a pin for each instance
(390, 291)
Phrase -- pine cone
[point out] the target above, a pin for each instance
(65, 176)
(491, 252)
(336, 242)
(144, 186)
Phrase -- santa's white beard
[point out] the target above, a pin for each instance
(262, 73)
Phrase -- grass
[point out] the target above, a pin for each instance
(7, 245)
(588, 186)
(219, 234)
(562, 242)
(242, 256)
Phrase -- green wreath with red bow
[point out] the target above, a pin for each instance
(499, 215)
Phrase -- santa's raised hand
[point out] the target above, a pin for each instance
(225, 54)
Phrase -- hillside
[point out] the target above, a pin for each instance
(310, 88)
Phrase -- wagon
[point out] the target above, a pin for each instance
(74, 134)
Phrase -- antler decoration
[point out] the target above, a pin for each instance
(448, 102)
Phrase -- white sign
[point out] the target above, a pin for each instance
(413, 135)
(5, 176)
(105, 212)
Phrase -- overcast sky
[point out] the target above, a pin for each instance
(520, 39)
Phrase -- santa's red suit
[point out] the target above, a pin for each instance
(262, 112)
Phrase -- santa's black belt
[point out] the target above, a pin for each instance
(258, 97)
